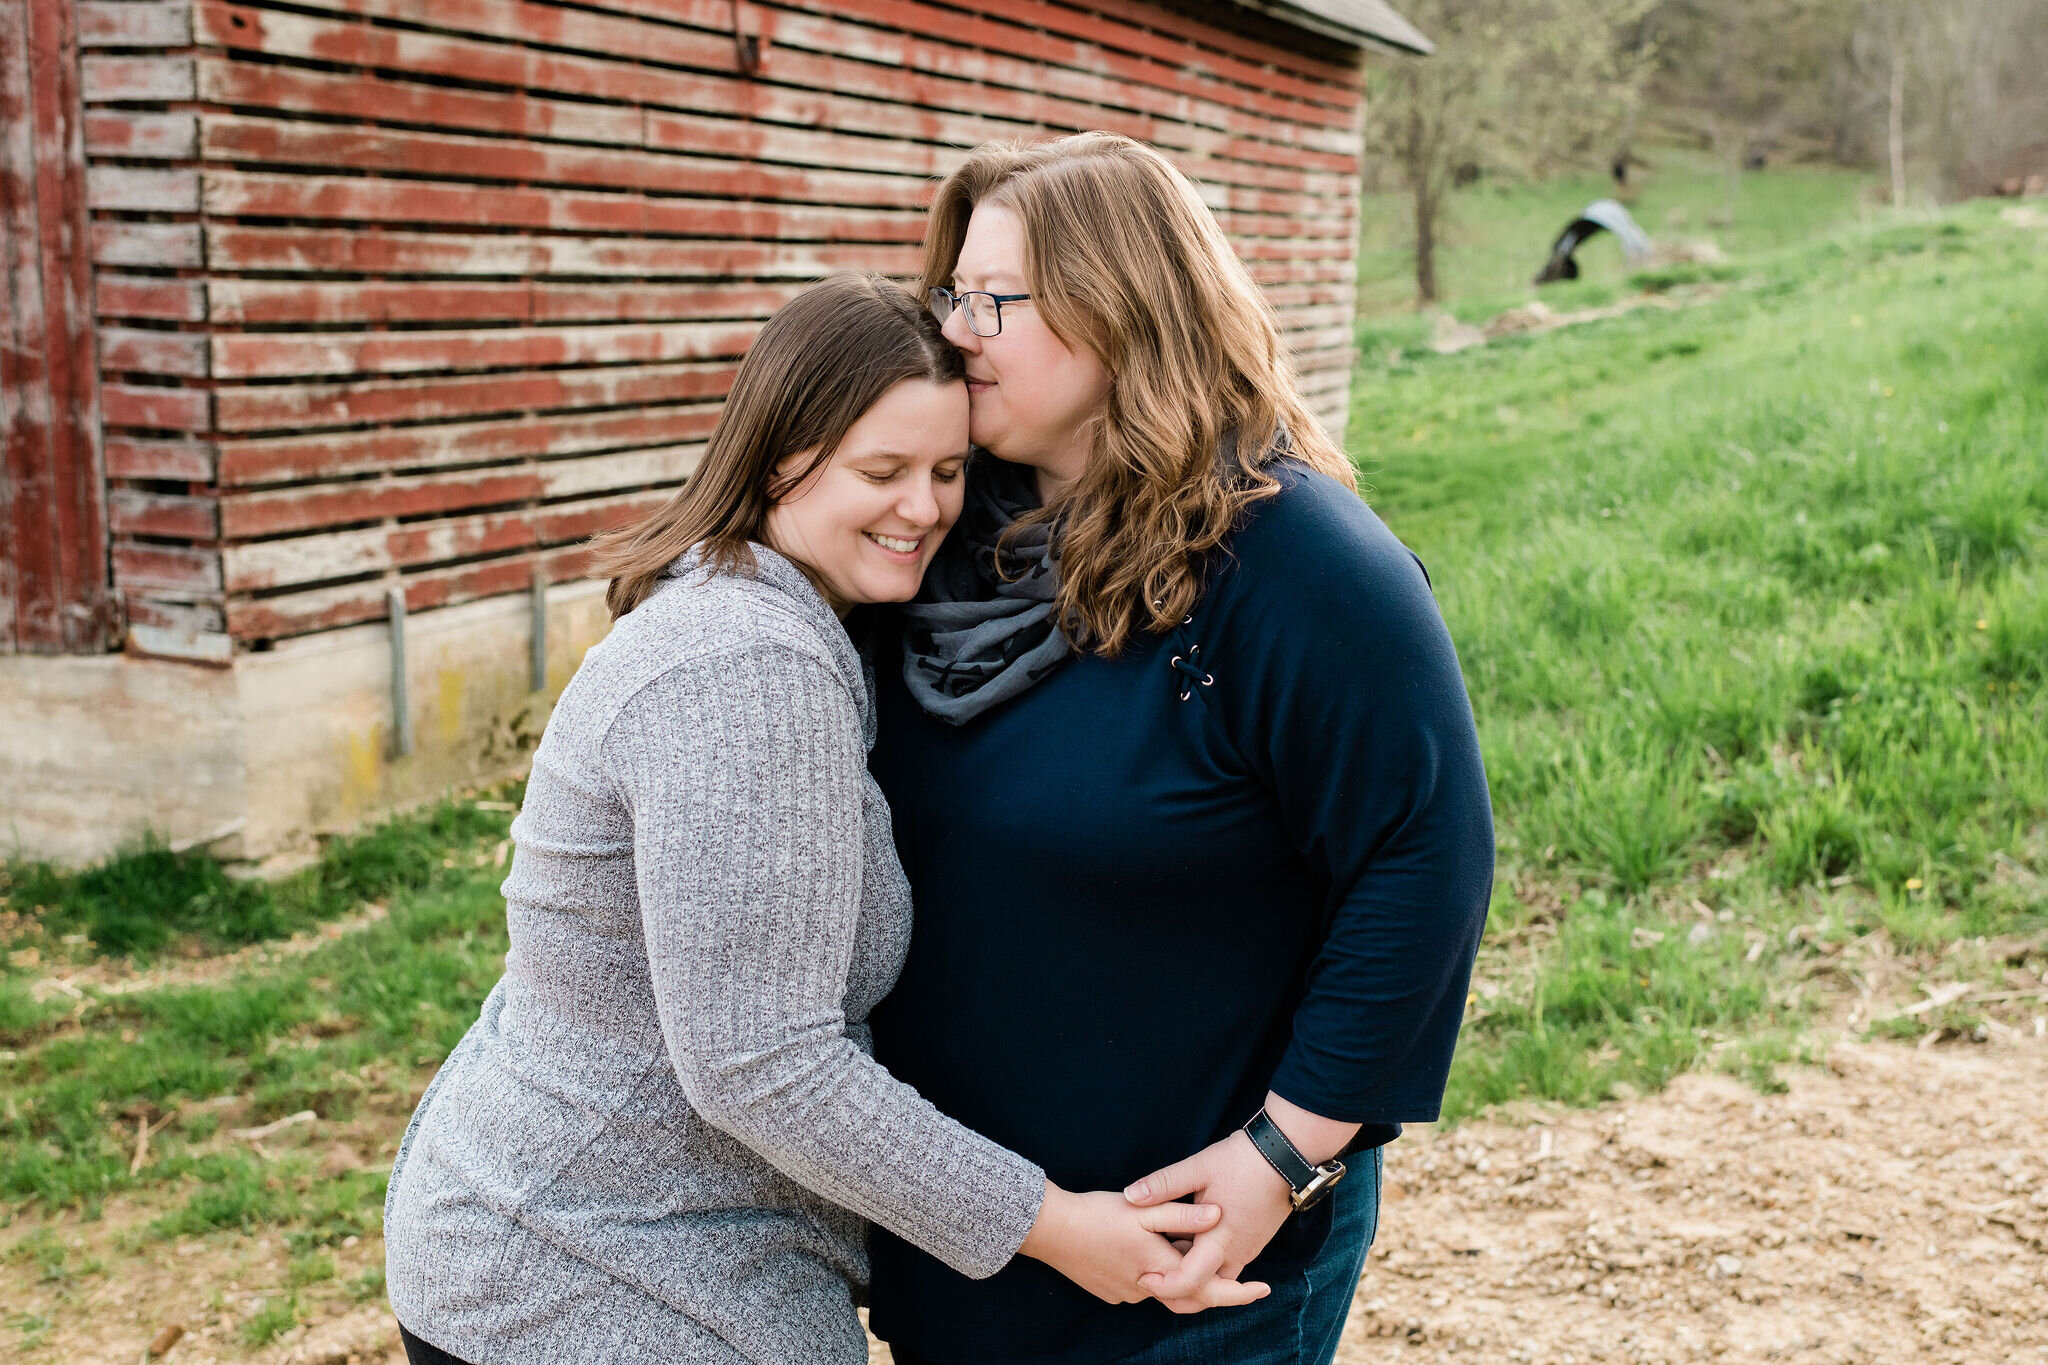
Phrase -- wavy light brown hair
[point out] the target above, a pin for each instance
(815, 367)
(1122, 257)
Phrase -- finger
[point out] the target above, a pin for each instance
(1180, 1220)
(1220, 1294)
(1195, 1269)
(1231, 1293)
(1182, 1246)
(1166, 1184)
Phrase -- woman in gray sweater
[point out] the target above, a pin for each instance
(661, 1139)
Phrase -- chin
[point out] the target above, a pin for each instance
(890, 592)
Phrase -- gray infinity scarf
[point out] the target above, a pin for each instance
(976, 635)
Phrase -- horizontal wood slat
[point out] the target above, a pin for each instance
(157, 137)
(249, 142)
(129, 23)
(255, 618)
(272, 407)
(286, 510)
(280, 458)
(167, 245)
(150, 296)
(111, 79)
(162, 514)
(322, 250)
(135, 405)
(149, 352)
(175, 568)
(290, 355)
(137, 457)
(347, 554)
(353, 199)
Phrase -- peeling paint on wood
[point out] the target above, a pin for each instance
(463, 295)
(280, 458)
(138, 457)
(53, 574)
(127, 23)
(150, 352)
(283, 510)
(164, 245)
(131, 512)
(112, 79)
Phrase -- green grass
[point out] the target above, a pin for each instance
(149, 898)
(1498, 233)
(1753, 605)
(341, 1030)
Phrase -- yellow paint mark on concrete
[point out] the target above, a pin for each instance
(451, 705)
(362, 770)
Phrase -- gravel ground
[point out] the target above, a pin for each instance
(1892, 1207)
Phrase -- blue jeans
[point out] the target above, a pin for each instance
(1300, 1322)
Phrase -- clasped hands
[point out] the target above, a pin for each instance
(1143, 1243)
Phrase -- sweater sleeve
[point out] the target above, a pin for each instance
(743, 775)
(1355, 713)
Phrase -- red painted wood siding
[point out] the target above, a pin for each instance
(53, 535)
(425, 295)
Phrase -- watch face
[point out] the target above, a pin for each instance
(1326, 1178)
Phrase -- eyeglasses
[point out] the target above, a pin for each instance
(984, 310)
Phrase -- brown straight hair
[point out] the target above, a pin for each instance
(816, 366)
(1121, 256)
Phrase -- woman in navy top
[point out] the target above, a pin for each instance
(1183, 775)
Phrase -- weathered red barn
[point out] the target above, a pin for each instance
(332, 330)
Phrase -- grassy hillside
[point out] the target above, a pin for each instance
(1752, 597)
(1498, 234)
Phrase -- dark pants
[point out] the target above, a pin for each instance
(1300, 1322)
(425, 1352)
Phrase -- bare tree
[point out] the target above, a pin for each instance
(1746, 74)
(1516, 86)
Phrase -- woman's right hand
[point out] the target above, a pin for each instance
(1102, 1243)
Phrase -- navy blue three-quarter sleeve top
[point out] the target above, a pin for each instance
(1144, 894)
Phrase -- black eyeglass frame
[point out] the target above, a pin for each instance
(937, 292)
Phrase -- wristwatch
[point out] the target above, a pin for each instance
(1308, 1183)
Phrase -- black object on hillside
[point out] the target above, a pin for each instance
(1600, 215)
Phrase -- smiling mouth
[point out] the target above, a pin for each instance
(895, 543)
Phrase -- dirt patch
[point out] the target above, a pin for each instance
(118, 976)
(1892, 1207)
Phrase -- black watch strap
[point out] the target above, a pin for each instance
(1308, 1182)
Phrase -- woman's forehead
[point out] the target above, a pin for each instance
(994, 245)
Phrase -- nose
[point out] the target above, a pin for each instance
(959, 333)
(919, 504)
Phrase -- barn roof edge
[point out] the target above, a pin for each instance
(1373, 23)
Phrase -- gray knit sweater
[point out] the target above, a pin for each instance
(659, 1140)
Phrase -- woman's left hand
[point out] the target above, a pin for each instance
(1254, 1197)
(1255, 1202)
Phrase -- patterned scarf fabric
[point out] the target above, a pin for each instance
(981, 632)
